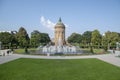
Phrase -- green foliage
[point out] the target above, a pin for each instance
(119, 37)
(23, 38)
(6, 39)
(35, 36)
(110, 38)
(38, 38)
(96, 37)
(44, 69)
(14, 41)
(44, 38)
(86, 37)
(75, 38)
(91, 50)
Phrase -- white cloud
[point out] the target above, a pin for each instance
(66, 26)
(47, 23)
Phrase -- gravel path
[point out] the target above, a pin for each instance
(4, 59)
(110, 58)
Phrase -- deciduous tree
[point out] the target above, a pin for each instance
(75, 38)
(86, 37)
(38, 38)
(5, 38)
(96, 37)
(23, 38)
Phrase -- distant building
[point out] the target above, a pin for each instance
(6, 31)
(9, 32)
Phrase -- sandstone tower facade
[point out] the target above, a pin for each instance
(59, 38)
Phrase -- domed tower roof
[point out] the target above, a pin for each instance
(59, 24)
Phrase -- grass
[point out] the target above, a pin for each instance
(96, 51)
(86, 51)
(45, 69)
(22, 51)
(19, 51)
(99, 51)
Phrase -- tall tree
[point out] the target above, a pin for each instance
(23, 38)
(75, 38)
(44, 38)
(110, 38)
(38, 38)
(96, 37)
(34, 41)
(119, 37)
(86, 37)
(5, 38)
(14, 41)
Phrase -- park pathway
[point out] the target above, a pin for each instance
(109, 58)
(4, 59)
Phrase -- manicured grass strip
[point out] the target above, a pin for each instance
(45, 69)
(22, 51)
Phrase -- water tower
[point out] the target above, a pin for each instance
(59, 33)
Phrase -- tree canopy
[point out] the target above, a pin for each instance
(23, 38)
(5, 37)
(38, 38)
(110, 38)
(86, 37)
(75, 38)
(96, 37)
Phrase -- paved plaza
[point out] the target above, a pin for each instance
(109, 58)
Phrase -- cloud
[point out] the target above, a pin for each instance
(47, 23)
(66, 26)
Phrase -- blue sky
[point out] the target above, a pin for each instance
(78, 15)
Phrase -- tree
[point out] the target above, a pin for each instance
(44, 38)
(23, 38)
(96, 38)
(119, 37)
(86, 37)
(5, 38)
(14, 41)
(38, 38)
(75, 38)
(110, 38)
(35, 32)
(34, 41)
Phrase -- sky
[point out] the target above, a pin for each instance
(77, 15)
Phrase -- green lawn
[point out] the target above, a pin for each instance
(22, 51)
(46, 69)
(96, 51)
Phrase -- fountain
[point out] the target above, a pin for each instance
(60, 46)
(60, 49)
